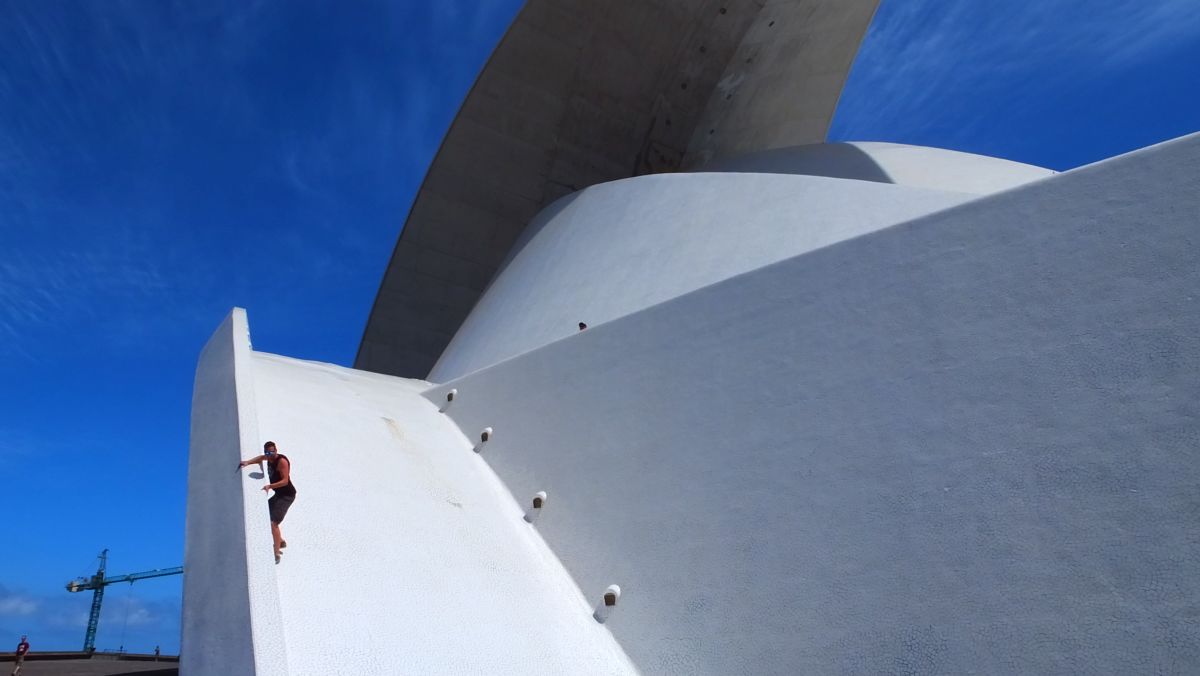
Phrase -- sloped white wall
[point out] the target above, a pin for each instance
(405, 554)
(618, 247)
(966, 444)
(231, 621)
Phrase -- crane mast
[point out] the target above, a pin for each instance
(89, 639)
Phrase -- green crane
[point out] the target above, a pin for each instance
(98, 582)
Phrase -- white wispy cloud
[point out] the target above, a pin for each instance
(932, 55)
(397, 110)
(11, 604)
(57, 621)
(386, 120)
(38, 289)
(18, 443)
(471, 19)
(310, 162)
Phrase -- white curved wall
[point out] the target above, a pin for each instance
(231, 620)
(405, 555)
(962, 445)
(914, 166)
(618, 247)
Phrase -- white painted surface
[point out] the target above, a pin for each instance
(231, 622)
(405, 553)
(618, 247)
(966, 444)
(913, 166)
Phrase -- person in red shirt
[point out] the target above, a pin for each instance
(22, 648)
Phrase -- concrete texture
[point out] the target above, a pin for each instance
(914, 166)
(965, 444)
(405, 554)
(93, 667)
(581, 92)
(616, 248)
(781, 86)
(231, 621)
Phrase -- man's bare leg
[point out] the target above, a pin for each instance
(276, 536)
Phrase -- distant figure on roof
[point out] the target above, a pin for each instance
(582, 326)
(279, 471)
(22, 648)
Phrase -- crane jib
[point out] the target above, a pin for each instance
(98, 582)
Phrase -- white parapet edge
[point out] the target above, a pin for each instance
(231, 613)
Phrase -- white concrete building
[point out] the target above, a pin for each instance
(839, 408)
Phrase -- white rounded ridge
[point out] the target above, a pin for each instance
(617, 248)
(899, 164)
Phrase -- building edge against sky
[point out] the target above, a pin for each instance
(961, 444)
(841, 408)
(583, 92)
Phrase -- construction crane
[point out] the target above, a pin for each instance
(98, 582)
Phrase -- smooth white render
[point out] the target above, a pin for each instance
(958, 440)
(964, 444)
(231, 622)
(405, 553)
(913, 166)
(619, 247)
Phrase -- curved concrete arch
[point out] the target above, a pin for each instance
(580, 92)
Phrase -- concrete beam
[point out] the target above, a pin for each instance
(581, 92)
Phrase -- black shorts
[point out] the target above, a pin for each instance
(279, 505)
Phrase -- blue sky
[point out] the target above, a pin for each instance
(161, 162)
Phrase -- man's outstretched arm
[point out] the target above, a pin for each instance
(256, 460)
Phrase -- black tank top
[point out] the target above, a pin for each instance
(273, 473)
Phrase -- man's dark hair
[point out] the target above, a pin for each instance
(582, 326)
(269, 444)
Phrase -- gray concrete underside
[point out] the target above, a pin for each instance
(581, 92)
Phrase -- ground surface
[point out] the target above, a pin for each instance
(93, 668)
